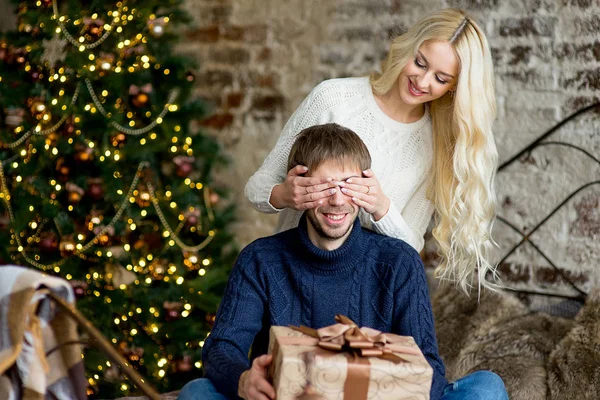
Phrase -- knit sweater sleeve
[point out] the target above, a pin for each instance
(410, 224)
(238, 320)
(274, 169)
(414, 317)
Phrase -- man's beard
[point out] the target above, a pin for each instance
(336, 234)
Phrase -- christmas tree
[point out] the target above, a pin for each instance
(106, 182)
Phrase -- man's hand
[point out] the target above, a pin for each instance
(253, 383)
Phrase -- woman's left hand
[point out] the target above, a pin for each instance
(366, 192)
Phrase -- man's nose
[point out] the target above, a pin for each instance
(338, 197)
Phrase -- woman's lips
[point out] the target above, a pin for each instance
(414, 91)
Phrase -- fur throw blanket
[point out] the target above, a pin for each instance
(539, 356)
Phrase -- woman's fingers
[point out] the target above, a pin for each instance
(319, 187)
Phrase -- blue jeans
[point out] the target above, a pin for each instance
(480, 385)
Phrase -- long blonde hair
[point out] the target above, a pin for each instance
(465, 155)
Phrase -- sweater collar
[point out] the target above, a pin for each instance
(341, 258)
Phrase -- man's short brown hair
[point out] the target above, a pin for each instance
(328, 142)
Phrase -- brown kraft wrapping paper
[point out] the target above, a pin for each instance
(343, 362)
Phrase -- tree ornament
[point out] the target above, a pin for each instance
(103, 238)
(48, 242)
(93, 27)
(63, 169)
(83, 153)
(54, 50)
(120, 275)
(4, 220)
(95, 189)
(184, 364)
(112, 374)
(13, 117)
(118, 140)
(25, 27)
(105, 61)
(158, 268)
(192, 217)
(79, 288)
(190, 77)
(157, 26)
(173, 310)
(143, 197)
(67, 246)
(68, 128)
(3, 51)
(75, 193)
(139, 95)
(185, 165)
(37, 107)
(210, 319)
(213, 197)
(35, 76)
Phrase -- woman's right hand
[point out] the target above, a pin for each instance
(299, 192)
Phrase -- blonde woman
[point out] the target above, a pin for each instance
(426, 119)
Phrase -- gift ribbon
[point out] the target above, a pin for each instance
(358, 344)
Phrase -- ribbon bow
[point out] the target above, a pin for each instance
(367, 342)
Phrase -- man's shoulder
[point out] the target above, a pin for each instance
(270, 246)
(391, 250)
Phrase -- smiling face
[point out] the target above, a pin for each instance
(330, 223)
(430, 75)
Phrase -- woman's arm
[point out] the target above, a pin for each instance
(409, 225)
(261, 188)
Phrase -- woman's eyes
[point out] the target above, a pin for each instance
(421, 65)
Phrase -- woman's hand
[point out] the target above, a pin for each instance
(366, 192)
(299, 192)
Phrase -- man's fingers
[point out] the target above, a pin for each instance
(255, 394)
(262, 361)
(265, 387)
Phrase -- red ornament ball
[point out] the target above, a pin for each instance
(95, 190)
(184, 169)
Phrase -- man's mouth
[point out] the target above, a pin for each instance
(334, 219)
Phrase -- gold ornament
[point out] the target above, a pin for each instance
(119, 275)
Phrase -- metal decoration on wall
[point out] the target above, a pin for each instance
(527, 235)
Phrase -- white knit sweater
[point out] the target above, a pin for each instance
(401, 153)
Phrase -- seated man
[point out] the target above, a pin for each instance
(328, 265)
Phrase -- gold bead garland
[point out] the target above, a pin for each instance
(125, 130)
(72, 39)
(165, 224)
(44, 132)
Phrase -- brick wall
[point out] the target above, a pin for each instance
(261, 57)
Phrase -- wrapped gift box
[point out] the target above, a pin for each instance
(306, 366)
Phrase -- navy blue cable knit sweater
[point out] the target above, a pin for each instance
(375, 280)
